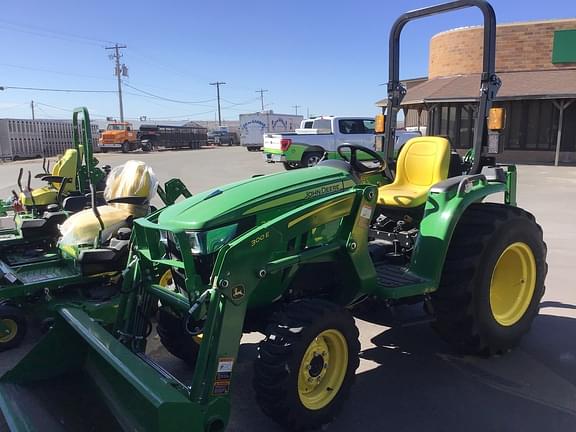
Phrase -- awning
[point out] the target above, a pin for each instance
(547, 84)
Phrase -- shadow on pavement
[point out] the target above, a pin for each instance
(411, 381)
(416, 382)
(419, 383)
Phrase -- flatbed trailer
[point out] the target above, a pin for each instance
(155, 136)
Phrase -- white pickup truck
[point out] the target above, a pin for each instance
(318, 137)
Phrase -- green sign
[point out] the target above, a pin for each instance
(564, 48)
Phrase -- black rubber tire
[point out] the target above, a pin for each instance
(280, 354)
(125, 147)
(17, 315)
(462, 302)
(310, 159)
(291, 165)
(175, 338)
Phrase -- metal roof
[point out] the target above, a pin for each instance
(543, 84)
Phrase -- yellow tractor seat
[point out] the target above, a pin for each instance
(66, 166)
(422, 162)
(133, 179)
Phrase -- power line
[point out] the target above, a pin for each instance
(240, 103)
(37, 31)
(261, 91)
(57, 90)
(168, 99)
(119, 71)
(35, 69)
(218, 84)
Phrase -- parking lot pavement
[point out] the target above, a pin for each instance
(408, 378)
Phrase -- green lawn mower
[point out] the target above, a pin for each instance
(38, 212)
(290, 255)
(81, 267)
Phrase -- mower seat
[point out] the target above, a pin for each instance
(422, 162)
(132, 182)
(65, 167)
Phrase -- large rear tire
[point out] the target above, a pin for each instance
(493, 279)
(306, 364)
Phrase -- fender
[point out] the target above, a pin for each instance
(446, 203)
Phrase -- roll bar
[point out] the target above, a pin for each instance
(489, 81)
(83, 146)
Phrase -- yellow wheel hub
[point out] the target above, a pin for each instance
(322, 369)
(11, 330)
(166, 279)
(513, 283)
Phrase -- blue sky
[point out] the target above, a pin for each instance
(328, 57)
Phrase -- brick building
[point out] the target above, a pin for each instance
(537, 64)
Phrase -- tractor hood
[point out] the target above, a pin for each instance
(263, 197)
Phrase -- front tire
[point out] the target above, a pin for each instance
(493, 279)
(306, 364)
(176, 339)
(15, 325)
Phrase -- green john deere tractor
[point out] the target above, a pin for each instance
(289, 255)
(37, 212)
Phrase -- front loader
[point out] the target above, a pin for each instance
(289, 255)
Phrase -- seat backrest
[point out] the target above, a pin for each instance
(423, 161)
(133, 179)
(67, 166)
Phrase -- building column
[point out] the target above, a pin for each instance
(562, 105)
(419, 117)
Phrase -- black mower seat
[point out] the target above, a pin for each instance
(47, 225)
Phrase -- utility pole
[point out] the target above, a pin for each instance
(32, 106)
(218, 84)
(261, 91)
(119, 71)
(296, 108)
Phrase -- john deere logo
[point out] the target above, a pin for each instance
(238, 292)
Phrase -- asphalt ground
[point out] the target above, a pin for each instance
(408, 379)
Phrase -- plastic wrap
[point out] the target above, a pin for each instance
(134, 178)
(83, 227)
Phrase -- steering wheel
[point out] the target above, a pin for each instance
(355, 163)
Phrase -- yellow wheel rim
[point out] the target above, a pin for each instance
(513, 283)
(322, 369)
(12, 330)
(166, 279)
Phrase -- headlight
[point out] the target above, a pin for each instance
(207, 242)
